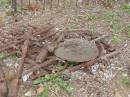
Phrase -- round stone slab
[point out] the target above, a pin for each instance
(77, 50)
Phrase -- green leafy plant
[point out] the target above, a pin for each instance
(14, 56)
(114, 21)
(71, 64)
(128, 30)
(55, 80)
(116, 39)
(1, 56)
(70, 26)
(4, 4)
(126, 7)
(124, 79)
(44, 93)
(116, 26)
(110, 16)
(90, 17)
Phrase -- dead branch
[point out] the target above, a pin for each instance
(99, 38)
(3, 84)
(25, 48)
(13, 88)
(18, 42)
(37, 66)
(90, 63)
(42, 55)
(109, 55)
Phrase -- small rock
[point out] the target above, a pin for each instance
(25, 77)
(28, 94)
(16, 65)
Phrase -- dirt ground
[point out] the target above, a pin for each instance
(102, 79)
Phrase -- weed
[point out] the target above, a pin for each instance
(110, 16)
(14, 56)
(4, 4)
(70, 26)
(116, 25)
(128, 30)
(71, 64)
(58, 67)
(90, 17)
(1, 56)
(116, 39)
(124, 79)
(126, 7)
(45, 92)
(55, 80)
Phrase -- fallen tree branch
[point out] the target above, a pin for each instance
(99, 38)
(90, 63)
(3, 84)
(37, 66)
(13, 88)
(42, 55)
(23, 39)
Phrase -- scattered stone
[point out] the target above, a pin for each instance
(28, 94)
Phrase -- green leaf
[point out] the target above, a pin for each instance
(14, 56)
(71, 63)
(39, 80)
(126, 8)
(45, 92)
(1, 56)
(125, 81)
(4, 3)
(128, 33)
(128, 29)
(55, 80)
(116, 39)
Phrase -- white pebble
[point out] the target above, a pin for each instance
(25, 77)
(28, 94)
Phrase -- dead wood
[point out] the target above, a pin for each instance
(3, 84)
(37, 66)
(107, 46)
(99, 38)
(42, 55)
(110, 55)
(13, 88)
(82, 65)
(25, 48)
(47, 29)
(90, 63)
(12, 44)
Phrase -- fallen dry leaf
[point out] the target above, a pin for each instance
(40, 90)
